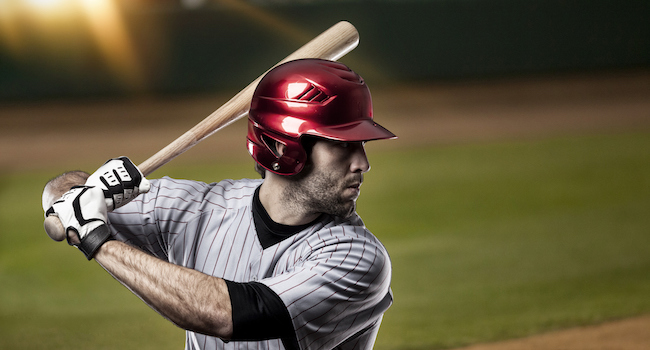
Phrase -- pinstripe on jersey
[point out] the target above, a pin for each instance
(333, 277)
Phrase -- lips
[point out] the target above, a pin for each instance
(355, 185)
(353, 190)
(352, 187)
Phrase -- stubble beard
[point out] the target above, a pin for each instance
(314, 192)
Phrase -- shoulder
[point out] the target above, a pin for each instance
(350, 231)
(342, 243)
(225, 189)
(230, 194)
(235, 188)
(168, 185)
(194, 197)
(340, 261)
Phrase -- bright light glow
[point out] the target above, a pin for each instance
(9, 34)
(44, 4)
(112, 38)
(25, 24)
(57, 29)
(50, 9)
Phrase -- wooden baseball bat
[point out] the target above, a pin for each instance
(332, 44)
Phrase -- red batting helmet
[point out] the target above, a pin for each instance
(308, 97)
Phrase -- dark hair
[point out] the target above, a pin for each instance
(260, 170)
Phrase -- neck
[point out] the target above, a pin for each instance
(281, 208)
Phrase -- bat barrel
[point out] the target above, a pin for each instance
(332, 44)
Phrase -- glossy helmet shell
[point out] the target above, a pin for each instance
(314, 97)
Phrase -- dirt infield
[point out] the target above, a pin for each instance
(630, 334)
(65, 135)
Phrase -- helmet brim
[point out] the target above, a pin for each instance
(362, 130)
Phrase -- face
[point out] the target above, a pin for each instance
(330, 181)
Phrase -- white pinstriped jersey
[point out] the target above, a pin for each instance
(333, 277)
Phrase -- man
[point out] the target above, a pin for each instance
(282, 262)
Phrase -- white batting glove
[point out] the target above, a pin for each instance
(120, 180)
(83, 210)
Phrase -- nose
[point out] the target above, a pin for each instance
(359, 159)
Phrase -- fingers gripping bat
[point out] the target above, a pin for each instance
(332, 44)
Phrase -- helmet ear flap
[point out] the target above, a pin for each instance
(265, 149)
(272, 144)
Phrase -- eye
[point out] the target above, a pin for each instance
(344, 144)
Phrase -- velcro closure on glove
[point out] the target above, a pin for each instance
(93, 240)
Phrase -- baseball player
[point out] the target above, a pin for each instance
(282, 262)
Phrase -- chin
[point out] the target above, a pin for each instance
(348, 211)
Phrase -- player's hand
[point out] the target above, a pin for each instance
(82, 212)
(120, 180)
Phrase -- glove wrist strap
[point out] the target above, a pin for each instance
(93, 240)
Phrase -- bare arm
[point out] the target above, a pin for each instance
(190, 299)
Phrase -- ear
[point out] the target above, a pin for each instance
(280, 148)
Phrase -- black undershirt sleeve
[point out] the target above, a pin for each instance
(258, 313)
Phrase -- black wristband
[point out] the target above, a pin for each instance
(93, 240)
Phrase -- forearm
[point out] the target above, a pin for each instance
(190, 299)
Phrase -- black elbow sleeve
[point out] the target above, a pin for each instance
(258, 313)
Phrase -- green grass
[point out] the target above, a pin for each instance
(505, 240)
(488, 242)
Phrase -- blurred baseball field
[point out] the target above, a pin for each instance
(510, 207)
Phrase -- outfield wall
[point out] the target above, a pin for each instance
(221, 48)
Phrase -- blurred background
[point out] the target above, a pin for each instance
(80, 48)
(514, 202)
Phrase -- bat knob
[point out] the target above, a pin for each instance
(54, 228)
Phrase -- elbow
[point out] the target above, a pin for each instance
(207, 326)
(211, 314)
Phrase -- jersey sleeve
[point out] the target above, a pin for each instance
(338, 290)
(149, 221)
